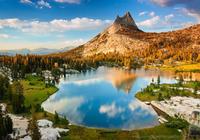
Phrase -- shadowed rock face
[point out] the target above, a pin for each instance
(123, 23)
(126, 20)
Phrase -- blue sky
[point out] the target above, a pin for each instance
(67, 23)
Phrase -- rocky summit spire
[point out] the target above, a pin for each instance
(126, 20)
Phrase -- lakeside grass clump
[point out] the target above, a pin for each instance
(177, 123)
(155, 92)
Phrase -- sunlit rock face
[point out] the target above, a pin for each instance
(112, 39)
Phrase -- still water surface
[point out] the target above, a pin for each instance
(105, 98)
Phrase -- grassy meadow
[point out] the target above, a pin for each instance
(160, 132)
(35, 90)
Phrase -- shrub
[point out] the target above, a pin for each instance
(177, 123)
(56, 118)
(31, 83)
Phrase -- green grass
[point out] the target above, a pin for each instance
(160, 132)
(151, 93)
(35, 91)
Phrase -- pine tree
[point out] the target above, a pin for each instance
(17, 97)
(196, 86)
(64, 71)
(4, 84)
(158, 80)
(2, 129)
(56, 117)
(6, 126)
(181, 80)
(160, 97)
(35, 133)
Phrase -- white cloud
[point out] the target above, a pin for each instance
(110, 110)
(85, 81)
(152, 14)
(66, 106)
(169, 17)
(68, 1)
(26, 1)
(42, 4)
(143, 13)
(162, 2)
(144, 109)
(38, 4)
(62, 25)
(149, 22)
(165, 23)
(4, 36)
(191, 13)
(191, 8)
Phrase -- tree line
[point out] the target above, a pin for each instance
(6, 126)
(13, 95)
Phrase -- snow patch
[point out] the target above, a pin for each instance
(48, 132)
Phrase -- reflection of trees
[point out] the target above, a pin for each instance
(122, 80)
(189, 75)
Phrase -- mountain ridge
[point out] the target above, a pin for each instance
(124, 38)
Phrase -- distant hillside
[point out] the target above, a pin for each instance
(39, 51)
(123, 38)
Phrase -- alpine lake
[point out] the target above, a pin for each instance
(105, 98)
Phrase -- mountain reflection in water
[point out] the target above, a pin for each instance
(120, 79)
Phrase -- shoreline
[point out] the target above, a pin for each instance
(96, 128)
(75, 130)
(107, 129)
